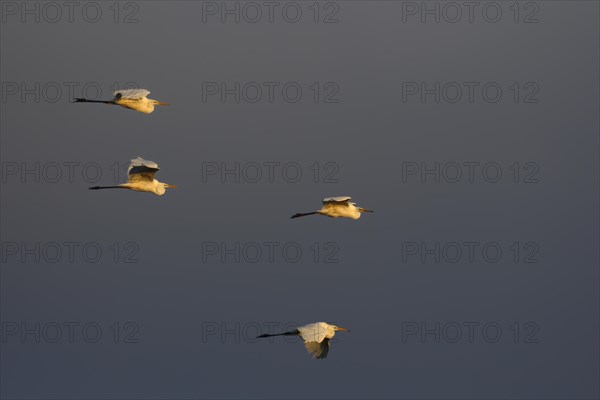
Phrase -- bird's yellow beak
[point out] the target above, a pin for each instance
(171, 186)
(160, 103)
(365, 210)
(339, 328)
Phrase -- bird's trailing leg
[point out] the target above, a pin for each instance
(107, 187)
(298, 215)
(294, 332)
(81, 100)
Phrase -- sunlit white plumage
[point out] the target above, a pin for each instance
(337, 207)
(134, 99)
(140, 177)
(316, 337)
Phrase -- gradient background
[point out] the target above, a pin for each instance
(171, 294)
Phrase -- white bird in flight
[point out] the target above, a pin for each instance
(337, 207)
(134, 99)
(140, 177)
(316, 337)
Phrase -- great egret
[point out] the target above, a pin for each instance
(134, 99)
(337, 207)
(140, 177)
(316, 337)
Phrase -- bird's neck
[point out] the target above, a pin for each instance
(159, 187)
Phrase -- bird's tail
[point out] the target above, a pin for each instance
(82, 100)
(294, 332)
(106, 187)
(303, 214)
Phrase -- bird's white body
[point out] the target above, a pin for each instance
(317, 332)
(136, 99)
(153, 186)
(338, 207)
(316, 337)
(140, 177)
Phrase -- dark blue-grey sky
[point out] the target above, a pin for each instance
(193, 309)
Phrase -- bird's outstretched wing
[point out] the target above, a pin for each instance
(336, 200)
(141, 170)
(318, 350)
(132, 94)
